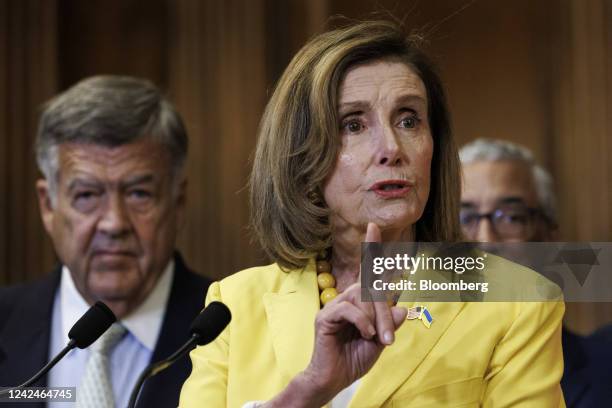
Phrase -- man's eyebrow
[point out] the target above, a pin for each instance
(467, 204)
(140, 179)
(81, 182)
(511, 200)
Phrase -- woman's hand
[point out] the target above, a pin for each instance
(350, 335)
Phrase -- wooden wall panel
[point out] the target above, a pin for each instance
(218, 82)
(226, 57)
(123, 37)
(27, 78)
(583, 113)
(4, 144)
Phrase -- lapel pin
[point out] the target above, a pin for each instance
(420, 313)
(426, 317)
(414, 313)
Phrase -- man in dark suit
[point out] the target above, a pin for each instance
(587, 381)
(507, 197)
(112, 152)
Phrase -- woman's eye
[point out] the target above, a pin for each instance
(409, 122)
(353, 126)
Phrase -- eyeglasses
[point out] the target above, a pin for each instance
(508, 223)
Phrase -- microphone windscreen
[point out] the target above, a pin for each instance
(211, 322)
(91, 325)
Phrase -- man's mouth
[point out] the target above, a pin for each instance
(113, 253)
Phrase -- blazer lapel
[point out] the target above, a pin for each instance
(291, 314)
(575, 381)
(185, 302)
(413, 342)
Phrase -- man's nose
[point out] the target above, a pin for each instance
(485, 231)
(115, 220)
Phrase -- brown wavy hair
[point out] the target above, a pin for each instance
(298, 143)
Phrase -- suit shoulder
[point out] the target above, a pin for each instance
(27, 298)
(9, 296)
(603, 335)
(518, 282)
(15, 294)
(197, 280)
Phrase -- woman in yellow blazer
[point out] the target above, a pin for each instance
(355, 145)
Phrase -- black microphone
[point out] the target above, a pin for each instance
(204, 329)
(84, 332)
(91, 325)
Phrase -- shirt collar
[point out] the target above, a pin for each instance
(144, 323)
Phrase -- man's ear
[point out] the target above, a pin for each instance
(550, 231)
(554, 234)
(181, 203)
(45, 204)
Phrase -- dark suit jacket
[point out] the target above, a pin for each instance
(587, 378)
(25, 329)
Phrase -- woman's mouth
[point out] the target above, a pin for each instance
(391, 188)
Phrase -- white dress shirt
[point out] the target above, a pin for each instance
(129, 357)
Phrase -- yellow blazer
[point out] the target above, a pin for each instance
(474, 354)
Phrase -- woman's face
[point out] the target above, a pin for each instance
(382, 172)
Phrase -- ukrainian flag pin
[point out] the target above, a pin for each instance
(425, 317)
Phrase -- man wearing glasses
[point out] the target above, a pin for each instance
(507, 197)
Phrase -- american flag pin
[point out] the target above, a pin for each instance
(414, 313)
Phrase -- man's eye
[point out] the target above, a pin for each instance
(468, 218)
(84, 195)
(513, 217)
(140, 194)
(85, 201)
(516, 218)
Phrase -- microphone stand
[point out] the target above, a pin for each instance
(154, 369)
(71, 344)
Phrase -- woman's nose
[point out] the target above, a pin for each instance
(389, 151)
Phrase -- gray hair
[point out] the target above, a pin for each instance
(109, 111)
(493, 150)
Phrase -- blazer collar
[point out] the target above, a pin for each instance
(413, 342)
(291, 314)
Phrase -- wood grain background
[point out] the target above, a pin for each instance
(538, 73)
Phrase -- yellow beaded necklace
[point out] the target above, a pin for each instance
(326, 281)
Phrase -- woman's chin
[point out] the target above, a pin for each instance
(395, 220)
